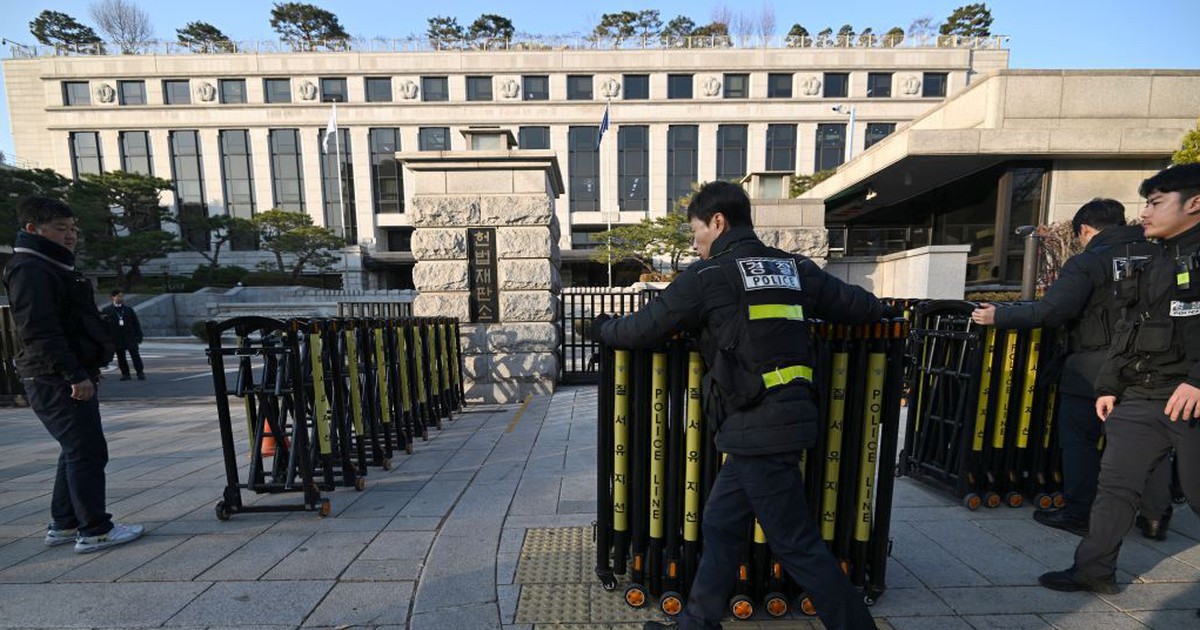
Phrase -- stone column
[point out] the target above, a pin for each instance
(511, 192)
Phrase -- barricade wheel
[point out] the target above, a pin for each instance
(972, 501)
(325, 509)
(1044, 501)
(775, 604)
(741, 607)
(608, 583)
(806, 606)
(635, 595)
(671, 603)
(1014, 499)
(223, 511)
(387, 463)
(360, 484)
(1060, 500)
(991, 499)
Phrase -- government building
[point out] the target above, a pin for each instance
(243, 132)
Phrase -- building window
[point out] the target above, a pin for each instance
(85, 153)
(879, 85)
(378, 89)
(682, 161)
(636, 87)
(232, 90)
(579, 87)
(287, 170)
(76, 93)
(435, 89)
(135, 152)
(679, 86)
(535, 87)
(479, 88)
(837, 85)
(731, 152)
(188, 178)
(537, 138)
(277, 90)
(933, 85)
(387, 185)
(131, 92)
(736, 86)
(237, 179)
(781, 148)
(779, 85)
(633, 168)
(584, 168)
(333, 90)
(877, 132)
(177, 92)
(337, 185)
(830, 146)
(434, 138)
(399, 239)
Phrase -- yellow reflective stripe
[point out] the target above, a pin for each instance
(786, 375)
(1181, 279)
(776, 311)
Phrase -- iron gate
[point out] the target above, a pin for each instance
(579, 355)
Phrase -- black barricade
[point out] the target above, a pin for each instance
(980, 423)
(657, 462)
(324, 399)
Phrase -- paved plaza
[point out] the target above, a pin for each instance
(486, 525)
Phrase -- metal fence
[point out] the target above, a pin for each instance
(577, 307)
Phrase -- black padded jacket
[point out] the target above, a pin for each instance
(701, 300)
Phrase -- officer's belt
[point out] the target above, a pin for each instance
(785, 375)
(776, 311)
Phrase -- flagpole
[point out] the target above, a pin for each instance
(599, 156)
(337, 147)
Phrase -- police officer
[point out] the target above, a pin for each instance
(1082, 300)
(746, 303)
(1149, 389)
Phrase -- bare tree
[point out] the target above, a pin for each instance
(922, 27)
(125, 23)
(766, 22)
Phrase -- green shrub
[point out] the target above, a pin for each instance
(222, 276)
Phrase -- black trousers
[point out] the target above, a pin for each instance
(133, 354)
(1079, 432)
(78, 499)
(1140, 437)
(771, 489)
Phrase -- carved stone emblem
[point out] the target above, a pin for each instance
(308, 91)
(811, 86)
(206, 92)
(611, 88)
(510, 89)
(105, 93)
(910, 85)
(712, 87)
(408, 90)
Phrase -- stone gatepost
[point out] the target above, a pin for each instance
(486, 243)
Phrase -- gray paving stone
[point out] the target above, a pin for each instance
(377, 503)
(228, 603)
(459, 570)
(111, 565)
(929, 623)
(363, 604)
(929, 562)
(1007, 622)
(323, 556)
(404, 522)
(506, 567)
(1161, 596)
(1167, 619)
(1094, 621)
(1007, 600)
(186, 560)
(404, 569)
(254, 558)
(992, 558)
(508, 594)
(398, 545)
(467, 617)
(436, 498)
(102, 605)
(910, 602)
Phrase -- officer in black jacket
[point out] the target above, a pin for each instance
(746, 303)
(64, 343)
(126, 331)
(1082, 300)
(1149, 389)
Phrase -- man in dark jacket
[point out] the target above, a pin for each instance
(746, 303)
(126, 332)
(1149, 389)
(1082, 300)
(64, 343)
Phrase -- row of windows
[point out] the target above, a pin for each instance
(387, 187)
(479, 88)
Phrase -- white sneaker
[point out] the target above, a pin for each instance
(56, 537)
(118, 535)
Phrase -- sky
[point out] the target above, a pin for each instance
(1069, 34)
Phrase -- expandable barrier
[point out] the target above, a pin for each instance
(657, 462)
(326, 398)
(980, 419)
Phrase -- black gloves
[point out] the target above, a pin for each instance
(593, 332)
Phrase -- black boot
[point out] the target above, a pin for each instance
(1155, 528)
(1061, 519)
(1070, 581)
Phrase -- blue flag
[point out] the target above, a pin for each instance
(603, 127)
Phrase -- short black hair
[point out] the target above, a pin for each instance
(42, 210)
(727, 198)
(115, 293)
(1099, 213)
(1180, 178)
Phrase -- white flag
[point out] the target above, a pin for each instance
(331, 128)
